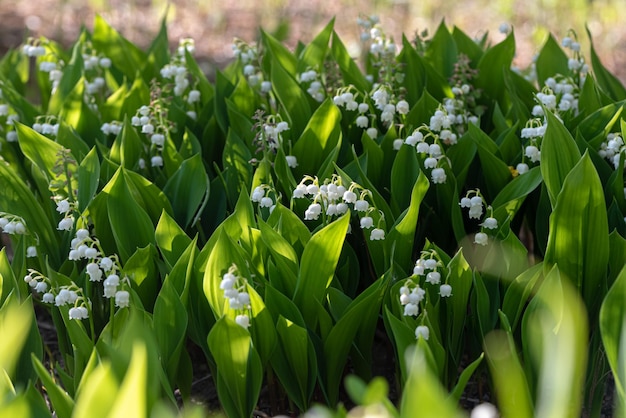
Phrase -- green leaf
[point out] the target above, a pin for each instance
(579, 239)
(98, 392)
(415, 75)
(142, 270)
(292, 99)
(519, 292)
(350, 71)
(170, 238)
(606, 81)
(125, 55)
(317, 267)
(18, 198)
(442, 51)
(88, 179)
(279, 53)
(613, 332)
(360, 316)
(464, 378)
(314, 54)
(492, 66)
(43, 152)
(187, 189)
(423, 391)
(131, 399)
(559, 154)
(555, 341)
(551, 61)
(319, 138)
(511, 197)
(239, 370)
(402, 234)
(62, 403)
(295, 362)
(170, 326)
(131, 226)
(514, 397)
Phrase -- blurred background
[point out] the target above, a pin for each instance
(214, 23)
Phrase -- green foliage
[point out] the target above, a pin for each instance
(300, 211)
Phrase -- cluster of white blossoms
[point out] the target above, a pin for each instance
(46, 125)
(371, 32)
(100, 267)
(332, 198)
(60, 296)
(431, 152)
(111, 128)
(15, 225)
(262, 195)
(428, 269)
(235, 292)
(176, 70)
(95, 65)
(269, 137)
(149, 119)
(249, 56)
(475, 202)
(612, 148)
(65, 207)
(312, 79)
(576, 63)
(7, 119)
(36, 49)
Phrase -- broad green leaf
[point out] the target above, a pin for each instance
(519, 292)
(350, 71)
(551, 61)
(15, 323)
(467, 46)
(606, 81)
(125, 55)
(187, 189)
(170, 325)
(17, 197)
(318, 140)
(613, 332)
(423, 392)
(442, 51)
(43, 152)
(415, 77)
(292, 98)
(62, 403)
(360, 316)
(492, 66)
(317, 267)
(278, 52)
(402, 234)
(555, 341)
(239, 370)
(579, 240)
(314, 54)
(460, 278)
(88, 179)
(131, 226)
(464, 378)
(295, 362)
(559, 154)
(170, 238)
(509, 380)
(142, 270)
(97, 393)
(131, 399)
(495, 172)
(511, 197)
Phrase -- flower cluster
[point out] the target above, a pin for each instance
(382, 53)
(235, 292)
(46, 125)
(249, 56)
(576, 63)
(15, 225)
(71, 294)
(261, 195)
(177, 71)
(7, 119)
(100, 268)
(312, 79)
(332, 198)
(48, 62)
(153, 123)
(612, 148)
(432, 153)
(474, 201)
(66, 207)
(269, 137)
